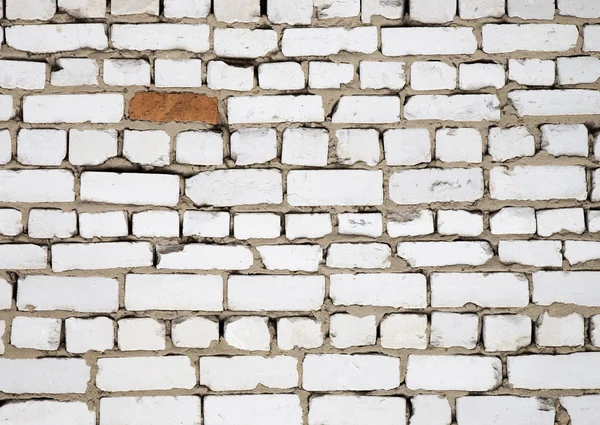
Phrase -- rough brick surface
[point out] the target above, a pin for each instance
(179, 107)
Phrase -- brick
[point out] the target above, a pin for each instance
(194, 332)
(190, 37)
(386, 9)
(248, 333)
(346, 330)
(275, 109)
(593, 221)
(531, 253)
(359, 224)
(41, 147)
(509, 143)
(119, 188)
(458, 145)
(46, 375)
(92, 147)
(429, 410)
(404, 331)
(475, 76)
(253, 145)
(88, 9)
(291, 257)
(83, 335)
(578, 70)
(289, 11)
(555, 102)
(532, 72)
(178, 73)
(42, 10)
(75, 72)
(256, 226)
(126, 72)
(337, 9)
(39, 333)
(5, 143)
(407, 146)
(179, 107)
(80, 294)
(328, 41)
(357, 145)
(578, 9)
(575, 287)
(506, 332)
(496, 410)
(461, 373)
(305, 146)
(454, 330)
(577, 252)
(243, 42)
(569, 140)
(570, 371)
(11, 222)
(439, 254)
(235, 11)
(51, 223)
(199, 148)
(73, 108)
(232, 373)
(538, 183)
(281, 76)
(427, 41)
(560, 220)
(141, 334)
(56, 37)
(23, 257)
(334, 187)
(432, 75)
(381, 75)
(106, 224)
(506, 38)
(566, 331)
(535, 9)
(97, 256)
(359, 255)
(353, 410)
(134, 7)
(456, 222)
(145, 373)
(275, 293)
(462, 107)
(475, 9)
(204, 257)
(344, 372)
(329, 75)
(206, 224)
(582, 410)
(252, 409)
(155, 224)
(410, 223)
(436, 11)
(301, 332)
(310, 226)
(591, 38)
(513, 221)
(47, 412)
(221, 76)
(187, 8)
(184, 410)
(22, 75)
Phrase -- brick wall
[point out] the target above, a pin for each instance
(300, 212)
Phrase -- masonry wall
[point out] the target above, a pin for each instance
(300, 212)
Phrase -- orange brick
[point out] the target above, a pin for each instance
(180, 107)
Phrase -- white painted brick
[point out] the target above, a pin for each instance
(190, 37)
(458, 144)
(578, 70)
(570, 140)
(57, 37)
(356, 410)
(126, 72)
(382, 75)
(385, 290)
(291, 257)
(436, 185)
(329, 75)
(305, 146)
(263, 409)
(134, 7)
(221, 76)
(593, 221)
(155, 224)
(130, 188)
(243, 42)
(534, 183)
(253, 145)
(41, 147)
(141, 334)
(404, 331)
(344, 372)
(506, 38)
(360, 224)
(387, 9)
(301, 332)
(337, 8)
(6, 295)
(248, 333)
(204, 257)
(5, 143)
(30, 9)
(97, 256)
(367, 109)
(281, 76)
(247, 372)
(80, 294)
(432, 76)
(198, 148)
(591, 38)
(85, 9)
(578, 9)
(532, 72)
(575, 287)
(430, 410)
(334, 187)
(456, 222)
(439, 254)
(596, 185)
(482, 289)
(454, 330)
(311, 226)
(359, 255)
(346, 330)
(560, 220)
(23, 256)
(186, 8)
(291, 12)
(328, 41)
(466, 373)
(237, 11)
(83, 335)
(427, 41)
(497, 410)
(39, 333)
(7, 109)
(555, 102)
(75, 72)
(531, 9)
(571, 371)
(51, 223)
(509, 143)
(92, 147)
(475, 9)
(513, 221)
(145, 373)
(559, 331)
(73, 108)
(410, 223)
(194, 332)
(577, 252)
(178, 73)
(11, 222)
(44, 376)
(357, 145)
(582, 410)
(258, 225)
(433, 11)
(173, 292)
(506, 332)
(235, 187)
(22, 75)
(531, 253)
(104, 224)
(47, 412)
(275, 109)
(206, 224)
(2, 332)
(475, 76)
(407, 146)
(461, 107)
(183, 410)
